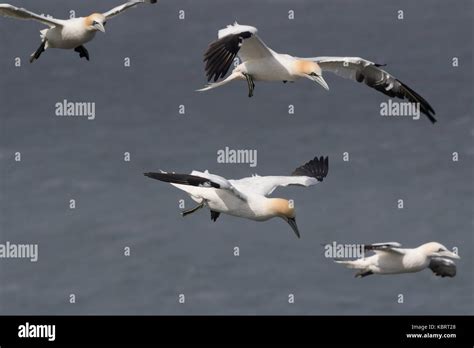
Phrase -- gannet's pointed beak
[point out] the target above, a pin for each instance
(294, 226)
(100, 27)
(319, 79)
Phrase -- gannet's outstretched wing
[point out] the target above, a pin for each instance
(308, 174)
(8, 10)
(199, 179)
(362, 70)
(119, 9)
(241, 40)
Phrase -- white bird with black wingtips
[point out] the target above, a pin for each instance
(391, 258)
(247, 197)
(260, 63)
(68, 33)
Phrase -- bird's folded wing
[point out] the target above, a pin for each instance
(308, 174)
(233, 40)
(20, 13)
(119, 9)
(391, 247)
(443, 267)
(362, 70)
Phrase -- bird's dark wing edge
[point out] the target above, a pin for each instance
(316, 168)
(183, 179)
(221, 53)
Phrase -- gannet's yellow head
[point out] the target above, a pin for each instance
(435, 249)
(310, 70)
(96, 22)
(286, 210)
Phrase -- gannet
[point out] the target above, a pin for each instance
(70, 33)
(390, 258)
(260, 63)
(247, 197)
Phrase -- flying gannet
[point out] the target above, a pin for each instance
(70, 33)
(247, 197)
(390, 258)
(260, 63)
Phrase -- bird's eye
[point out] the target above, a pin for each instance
(313, 74)
(440, 250)
(94, 23)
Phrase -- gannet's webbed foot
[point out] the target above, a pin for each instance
(82, 52)
(250, 84)
(214, 215)
(38, 52)
(195, 209)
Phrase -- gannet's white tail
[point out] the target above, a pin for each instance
(231, 77)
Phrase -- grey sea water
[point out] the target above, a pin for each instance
(81, 251)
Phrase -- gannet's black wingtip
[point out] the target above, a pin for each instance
(414, 97)
(375, 77)
(183, 179)
(317, 168)
(221, 54)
